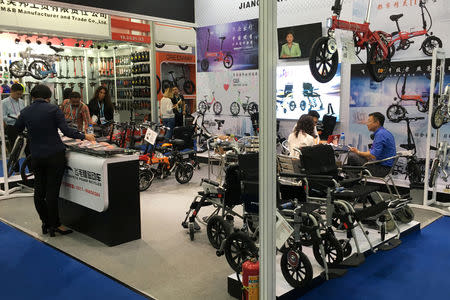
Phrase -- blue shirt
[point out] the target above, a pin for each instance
(42, 121)
(383, 146)
(11, 107)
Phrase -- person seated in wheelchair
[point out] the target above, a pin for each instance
(383, 147)
(303, 135)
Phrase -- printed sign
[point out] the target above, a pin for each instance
(151, 136)
(53, 19)
(283, 230)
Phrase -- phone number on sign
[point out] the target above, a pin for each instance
(80, 188)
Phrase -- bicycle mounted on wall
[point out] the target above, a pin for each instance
(324, 58)
(402, 38)
(441, 113)
(221, 55)
(188, 85)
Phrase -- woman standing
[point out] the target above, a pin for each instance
(166, 109)
(302, 135)
(101, 107)
(179, 111)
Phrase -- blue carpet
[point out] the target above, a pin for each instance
(30, 269)
(418, 269)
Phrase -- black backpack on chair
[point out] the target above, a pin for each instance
(328, 122)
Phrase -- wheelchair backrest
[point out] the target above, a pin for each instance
(232, 185)
(308, 86)
(184, 133)
(319, 160)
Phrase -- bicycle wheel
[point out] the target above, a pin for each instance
(145, 179)
(17, 69)
(422, 106)
(39, 69)
(159, 45)
(228, 61)
(217, 108)
(302, 105)
(13, 160)
(217, 230)
(165, 85)
(376, 63)
(204, 64)
(395, 113)
(189, 87)
(433, 173)
(202, 107)
(238, 248)
(438, 116)
(430, 43)
(333, 250)
(292, 105)
(252, 108)
(234, 108)
(183, 47)
(26, 170)
(322, 63)
(158, 84)
(296, 268)
(184, 172)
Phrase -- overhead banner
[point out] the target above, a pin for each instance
(20, 16)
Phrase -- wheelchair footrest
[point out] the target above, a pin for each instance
(354, 260)
(334, 273)
(389, 245)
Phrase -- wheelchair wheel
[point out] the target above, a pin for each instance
(238, 248)
(322, 63)
(26, 170)
(296, 268)
(184, 172)
(395, 113)
(217, 230)
(145, 179)
(303, 105)
(333, 250)
(346, 247)
(292, 105)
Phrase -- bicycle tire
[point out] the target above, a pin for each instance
(437, 118)
(217, 108)
(234, 108)
(377, 65)
(159, 45)
(189, 87)
(202, 107)
(204, 64)
(228, 61)
(165, 85)
(14, 156)
(158, 84)
(252, 108)
(422, 106)
(184, 173)
(395, 113)
(23, 170)
(430, 43)
(17, 69)
(296, 268)
(38, 66)
(433, 173)
(319, 60)
(145, 180)
(183, 47)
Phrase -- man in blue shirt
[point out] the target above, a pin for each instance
(383, 146)
(48, 159)
(12, 107)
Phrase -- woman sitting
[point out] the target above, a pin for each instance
(302, 135)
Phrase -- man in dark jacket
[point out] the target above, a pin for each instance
(42, 121)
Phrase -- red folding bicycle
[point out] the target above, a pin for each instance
(324, 58)
(221, 55)
(401, 40)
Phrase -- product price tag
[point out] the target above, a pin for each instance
(283, 230)
(151, 136)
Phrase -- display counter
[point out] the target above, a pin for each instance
(100, 197)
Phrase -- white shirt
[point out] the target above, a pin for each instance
(302, 140)
(166, 108)
(12, 107)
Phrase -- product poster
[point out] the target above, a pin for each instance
(232, 46)
(298, 93)
(230, 89)
(367, 96)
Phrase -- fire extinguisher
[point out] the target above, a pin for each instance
(250, 279)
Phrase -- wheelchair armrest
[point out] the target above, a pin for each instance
(381, 160)
(350, 181)
(353, 168)
(212, 182)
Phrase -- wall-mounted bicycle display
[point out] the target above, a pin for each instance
(401, 40)
(441, 113)
(206, 105)
(38, 66)
(324, 58)
(187, 84)
(247, 106)
(221, 56)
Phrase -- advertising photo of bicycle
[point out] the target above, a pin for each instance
(205, 105)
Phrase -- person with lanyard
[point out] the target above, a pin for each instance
(11, 108)
(101, 107)
(48, 154)
(76, 112)
(179, 111)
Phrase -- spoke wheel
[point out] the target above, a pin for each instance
(17, 69)
(202, 107)
(228, 61)
(292, 105)
(395, 113)
(333, 251)
(217, 108)
(145, 179)
(188, 87)
(204, 64)
(346, 247)
(322, 64)
(437, 117)
(165, 85)
(234, 108)
(430, 43)
(238, 248)
(303, 105)
(376, 63)
(252, 108)
(217, 230)
(39, 69)
(422, 106)
(296, 268)
(184, 172)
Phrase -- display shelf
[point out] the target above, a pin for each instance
(141, 74)
(124, 77)
(124, 88)
(142, 62)
(124, 99)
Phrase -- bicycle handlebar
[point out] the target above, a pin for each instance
(12, 117)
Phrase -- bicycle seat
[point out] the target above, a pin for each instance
(407, 146)
(171, 72)
(395, 17)
(177, 142)
(222, 38)
(219, 121)
(248, 97)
